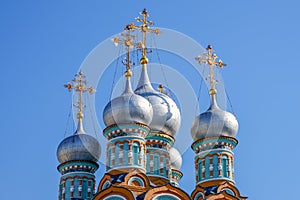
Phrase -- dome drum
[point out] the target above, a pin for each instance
(159, 138)
(72, 166)
(130, 129)
(222, 142)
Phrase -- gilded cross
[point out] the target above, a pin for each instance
(80, 87)
(144, 27)
(210, 59)
(126, 39)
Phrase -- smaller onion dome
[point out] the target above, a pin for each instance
(175, 159)
(214, 122)
(166, 115)
(79, 146)
(128, 108)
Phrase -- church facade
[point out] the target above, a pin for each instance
(141, 124)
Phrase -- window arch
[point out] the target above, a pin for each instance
(137, 181)
(115, 197)
(156, 164)
(207, 164)
(125, 153)
(224, 165)
(109, 157)
(200, 194)
(200, 170)
(117, 151)
(106, 185)
(215, 165)
(228, 191)
(136, 152)
(166, 197)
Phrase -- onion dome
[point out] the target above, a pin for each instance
(166, 115)
(79, 146)
(128, 108)
(214, 122)
(175, 159)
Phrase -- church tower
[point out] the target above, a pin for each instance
(214, 139)
(78, 154)
(166, 117)
(140, 126)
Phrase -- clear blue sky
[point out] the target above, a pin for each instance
(43, 43)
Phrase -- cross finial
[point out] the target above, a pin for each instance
(80, 87)
(210, 59)
(144, 27)
(127, 40)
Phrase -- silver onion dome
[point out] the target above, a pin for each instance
(79, 146)
(128, 108)
(214, 122)
(166, 115)
(175, 159)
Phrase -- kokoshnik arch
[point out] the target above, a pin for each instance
(141, 124)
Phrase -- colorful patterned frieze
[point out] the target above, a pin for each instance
(214, 159)
(77, 180)
(126, 146)
(217, 190)
(131, 129)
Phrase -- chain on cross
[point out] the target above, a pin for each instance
(210, 59)
(80, 87)
(144, 27)
(128, 40)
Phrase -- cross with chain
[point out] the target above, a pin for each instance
(144, 27)
(210, 59)
(79, 86)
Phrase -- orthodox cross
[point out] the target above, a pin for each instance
(80, 87)
(144, 27)
(210, 59)
(127, 40)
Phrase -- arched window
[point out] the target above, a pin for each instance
(215, 165)
(200, 170)
(166, 197)
(115, 197)
(156, 164)
(207, 164)
(164, 170)
(137, 181)
(125, 153)
(143, 157)
(197, 197)
(224, 165)
(229, 191)
(109, 157)
(106, 185)
(117, 151)
(148, 162)
(136, 152)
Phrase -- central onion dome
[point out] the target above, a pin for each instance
(166, 115)
(214, 122)
(128, 108)
(78, 147)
